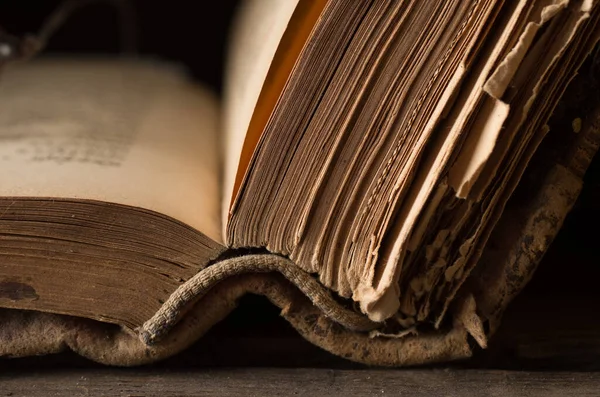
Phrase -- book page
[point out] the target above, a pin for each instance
(266, 41)
(125, 132)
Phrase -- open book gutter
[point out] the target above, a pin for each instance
(374, 180)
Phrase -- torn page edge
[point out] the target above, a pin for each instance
(498, 82)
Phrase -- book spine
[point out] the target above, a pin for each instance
(510, 262)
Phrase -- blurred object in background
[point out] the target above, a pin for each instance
(172, 30)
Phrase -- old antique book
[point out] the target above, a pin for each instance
(374, 168)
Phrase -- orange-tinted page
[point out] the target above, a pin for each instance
(303, 20)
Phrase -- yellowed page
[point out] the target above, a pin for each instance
(258, 32)
(131, 133)
(478, 146)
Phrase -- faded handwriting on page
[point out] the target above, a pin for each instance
(44, 128)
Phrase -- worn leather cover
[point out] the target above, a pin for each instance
(525, 231)
(528, 225)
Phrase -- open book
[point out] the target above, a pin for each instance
(362, 156)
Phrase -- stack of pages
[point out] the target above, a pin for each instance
(361, 157)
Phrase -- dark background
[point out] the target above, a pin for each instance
(254, 334)
(192, 32)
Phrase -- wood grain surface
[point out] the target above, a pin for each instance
(299, 382)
